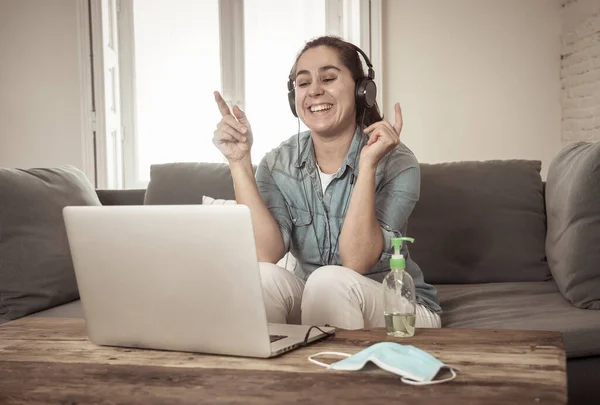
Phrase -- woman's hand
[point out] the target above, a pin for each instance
(233, 136)
(383, 138)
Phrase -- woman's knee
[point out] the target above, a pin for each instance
(327, 276)
(282, 293)
(329, 299)
(330, 282)
(274, 277)
(270, 269)
(272, 273)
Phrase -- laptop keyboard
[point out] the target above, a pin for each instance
(275, 338)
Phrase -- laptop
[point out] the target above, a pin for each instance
(175, 277)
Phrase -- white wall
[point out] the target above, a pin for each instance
(477, 79)
(40, 87)
(580, 73)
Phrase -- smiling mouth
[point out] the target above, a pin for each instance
(320, 108)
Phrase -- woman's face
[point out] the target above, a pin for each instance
(324, 92)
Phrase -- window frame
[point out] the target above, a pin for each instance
(358, 21)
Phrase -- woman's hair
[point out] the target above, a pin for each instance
(350, 58)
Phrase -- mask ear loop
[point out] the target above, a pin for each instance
(412, 382)
(319, 363)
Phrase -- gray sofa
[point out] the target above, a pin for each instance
(504, 249)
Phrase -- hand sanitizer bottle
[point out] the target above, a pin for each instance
(399, 295)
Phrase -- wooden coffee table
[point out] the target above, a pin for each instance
(50, 360)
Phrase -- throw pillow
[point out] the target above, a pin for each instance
(36, 270)
(288, 261)
(218, 201)
(573, 207)
(480, 222)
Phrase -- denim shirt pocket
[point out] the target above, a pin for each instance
(301, 226)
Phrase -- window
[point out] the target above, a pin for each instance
(176, 70)
(268, 59)
(175, 53)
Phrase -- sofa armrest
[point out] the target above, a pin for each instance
(121, 197)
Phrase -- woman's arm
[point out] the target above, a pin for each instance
(233, 137)
(269, 242)
(361, 240)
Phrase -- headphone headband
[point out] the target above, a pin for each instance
(365, 91)
(371, 72)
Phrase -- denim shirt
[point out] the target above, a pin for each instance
(311, 222)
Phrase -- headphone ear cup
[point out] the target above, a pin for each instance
(292, 101)
(366, 93)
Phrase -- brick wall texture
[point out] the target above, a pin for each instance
(580, 70)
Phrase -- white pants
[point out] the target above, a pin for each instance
(332, 295)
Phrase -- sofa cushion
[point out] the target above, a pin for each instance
(71, 309)
(187, 182)
(36, 270)
(480, 222)
(522, 306)
(573, 206)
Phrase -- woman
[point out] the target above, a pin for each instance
(334, 196)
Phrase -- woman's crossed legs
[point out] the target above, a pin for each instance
(332, 295)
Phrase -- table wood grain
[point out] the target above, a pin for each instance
(51, 361)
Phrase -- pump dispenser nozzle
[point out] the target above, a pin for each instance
(397, 262)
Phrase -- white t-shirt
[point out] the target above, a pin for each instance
(325, 179)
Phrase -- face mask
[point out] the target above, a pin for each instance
(415, 366)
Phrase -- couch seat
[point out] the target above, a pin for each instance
(522, 306)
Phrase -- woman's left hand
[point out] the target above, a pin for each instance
(384, 137)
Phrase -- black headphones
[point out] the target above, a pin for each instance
(365, 89)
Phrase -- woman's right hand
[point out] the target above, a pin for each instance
(233, 136)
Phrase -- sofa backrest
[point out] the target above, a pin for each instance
(187, 182)
(480, 222)
(475, 222)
